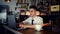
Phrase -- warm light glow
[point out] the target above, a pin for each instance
(8, 1)
(28, 13)
(37, 13)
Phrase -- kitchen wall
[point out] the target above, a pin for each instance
(11, 4)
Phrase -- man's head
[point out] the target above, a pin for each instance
(33, 10)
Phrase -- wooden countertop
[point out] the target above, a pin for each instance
(32, 31)
(29, 31)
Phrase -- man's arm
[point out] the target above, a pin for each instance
(47, 24)
(36, 27)
(27, 26)
(33, 26)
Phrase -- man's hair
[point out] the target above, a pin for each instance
(33, 7)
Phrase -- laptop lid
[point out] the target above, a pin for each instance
(12, 22)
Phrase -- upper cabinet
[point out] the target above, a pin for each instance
(22, 1)
(23, 4)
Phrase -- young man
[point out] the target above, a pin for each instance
(33, 21)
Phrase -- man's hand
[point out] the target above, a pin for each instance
(27, 26)
(23, 26)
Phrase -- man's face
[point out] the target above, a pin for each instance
(32, 12)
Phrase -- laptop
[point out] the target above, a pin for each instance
(12, 22)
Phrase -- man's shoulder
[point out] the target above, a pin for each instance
(29, 17)
(39, 17)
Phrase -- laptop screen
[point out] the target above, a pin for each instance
(12, 22)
